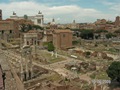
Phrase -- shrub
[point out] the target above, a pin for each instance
(51, 47)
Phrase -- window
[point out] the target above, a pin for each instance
(63, 35)
(39, 21)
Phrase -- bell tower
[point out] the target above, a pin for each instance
(0, 14)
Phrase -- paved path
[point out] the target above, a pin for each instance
(12, 80)
(10, 83)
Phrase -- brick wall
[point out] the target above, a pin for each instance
(62, 40)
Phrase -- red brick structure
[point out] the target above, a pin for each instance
(62, 39)
(117, 21)
(9, 29)
(0, 14)
(100, 21)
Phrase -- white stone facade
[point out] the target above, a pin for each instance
(30, 38)
(37, 19)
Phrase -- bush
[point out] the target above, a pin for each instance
(113, 71)
(51, 47)
(87, 34)
(75, 42)
(105, 45)
(96, 45)
(88, 53)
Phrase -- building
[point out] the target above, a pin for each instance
(62, 39)
(117, 21)
(53, 25)
(9, 29)
(37, 19)
(0, 14)
(100, 21)
(74, 25)
(32, 37)
(48, 36)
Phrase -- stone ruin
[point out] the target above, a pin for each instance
(101, 55)
(82, 67)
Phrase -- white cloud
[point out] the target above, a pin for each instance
(113, 7)
(116, 7)
(66, 13)
(108, 3)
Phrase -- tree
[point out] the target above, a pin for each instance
(67, 28)
(25, 17)
(26, 27)
(87, 54)
(37, 27)
(109, 35)
(113, 71)
(51, 46)
(29, 27)
(101, 31)
(75, 42)
(23, 27)
(87, 34)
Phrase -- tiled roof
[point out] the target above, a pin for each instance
(35, 31)
(62, 31)
(32, 31)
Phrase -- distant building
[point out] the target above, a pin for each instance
(53, 25)
(9, 29)
(48, 36)
(0, 14)
(62, 39)
(37, 19)
(100, 21)
(74, 25)
(117, 21)
(32, 37)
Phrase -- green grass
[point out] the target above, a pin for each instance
(51, 59)
(54, 59)
(100, 75)
(112, 50)
(92, 76)
(55, 77)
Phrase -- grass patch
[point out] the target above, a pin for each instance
(92, 76)
(112, 50)
(100, 75)
(55, 77)
(50, 59)
(54, 59)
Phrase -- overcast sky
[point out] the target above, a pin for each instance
(64, 11)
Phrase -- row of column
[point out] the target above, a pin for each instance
(26, 67)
